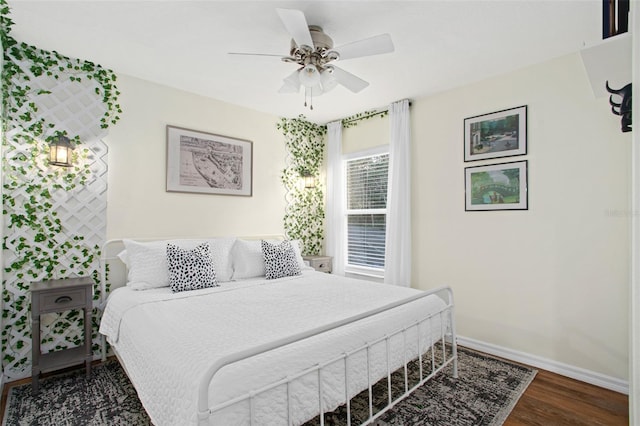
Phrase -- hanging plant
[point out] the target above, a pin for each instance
(304, 215)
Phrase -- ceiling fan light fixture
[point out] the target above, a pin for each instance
(293, 81)
(328, 80)
(309, 75)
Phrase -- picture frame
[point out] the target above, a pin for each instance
(206, 163)
(495, 135)
(501, 186)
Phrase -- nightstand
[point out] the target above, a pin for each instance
(319, 263)
(59, 296)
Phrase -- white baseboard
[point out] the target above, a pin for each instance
(577, 373)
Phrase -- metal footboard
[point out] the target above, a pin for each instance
(445, 342)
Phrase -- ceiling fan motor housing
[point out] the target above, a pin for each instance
(321, 41)
(319, 54)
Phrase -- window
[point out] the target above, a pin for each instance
(366, 189)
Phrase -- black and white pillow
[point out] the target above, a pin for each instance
(279, 260)
(190, 269)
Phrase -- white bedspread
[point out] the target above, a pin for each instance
(168, 341)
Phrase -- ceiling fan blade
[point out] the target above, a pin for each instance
(375, 45)
(253, 54)
(348, 80)
(296, 24)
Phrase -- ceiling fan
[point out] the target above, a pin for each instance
(313, 52)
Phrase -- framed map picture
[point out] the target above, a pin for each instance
(494, 135)
(206, 163)
(496, 187)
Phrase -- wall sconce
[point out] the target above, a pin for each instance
(309, 180)
(60, 151)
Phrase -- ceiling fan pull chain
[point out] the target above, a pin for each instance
(305, 96)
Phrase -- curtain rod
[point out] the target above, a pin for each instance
(377, 111)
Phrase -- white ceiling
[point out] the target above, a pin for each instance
(184, 44)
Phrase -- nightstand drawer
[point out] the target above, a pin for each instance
(62, 300)
(322, 266)
(319, 263)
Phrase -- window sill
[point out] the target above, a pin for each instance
(365, 272)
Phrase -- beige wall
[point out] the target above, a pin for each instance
(551, 281)
(368, 133)
(139, 206)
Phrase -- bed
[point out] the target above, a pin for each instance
(258, 351)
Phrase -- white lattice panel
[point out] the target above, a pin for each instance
(75, 108)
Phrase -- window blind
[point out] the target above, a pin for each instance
(366, 210)
(367, 182)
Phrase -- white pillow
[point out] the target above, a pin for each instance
(147, 262)
(297, 248)
(221, 255)
(124, 258)
(248, 261)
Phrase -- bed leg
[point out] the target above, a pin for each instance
(454, 339)
(455, 367)
(103, 348)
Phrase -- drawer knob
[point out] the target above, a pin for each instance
(63, 299)
(321, 265)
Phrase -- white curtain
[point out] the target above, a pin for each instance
(335, 224)
(397, 262)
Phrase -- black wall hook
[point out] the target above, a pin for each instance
(623, 108)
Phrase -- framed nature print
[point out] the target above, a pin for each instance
(496, 187)
(206, 163)
(495, 135)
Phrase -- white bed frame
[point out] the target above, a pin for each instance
(117, 274)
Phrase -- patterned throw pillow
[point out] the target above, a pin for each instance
(279, 260)
(190, 269)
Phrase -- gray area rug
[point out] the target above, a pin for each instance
(484, 394)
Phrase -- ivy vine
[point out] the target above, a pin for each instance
(353, 120)
(304, 142)
(37, 243)
(17, 94)
(304, 216)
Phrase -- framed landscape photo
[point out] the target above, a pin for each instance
(494, 135)
(496, 187)
(206, 163)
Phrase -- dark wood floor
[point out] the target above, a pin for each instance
(550, 400)
(556, 400)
